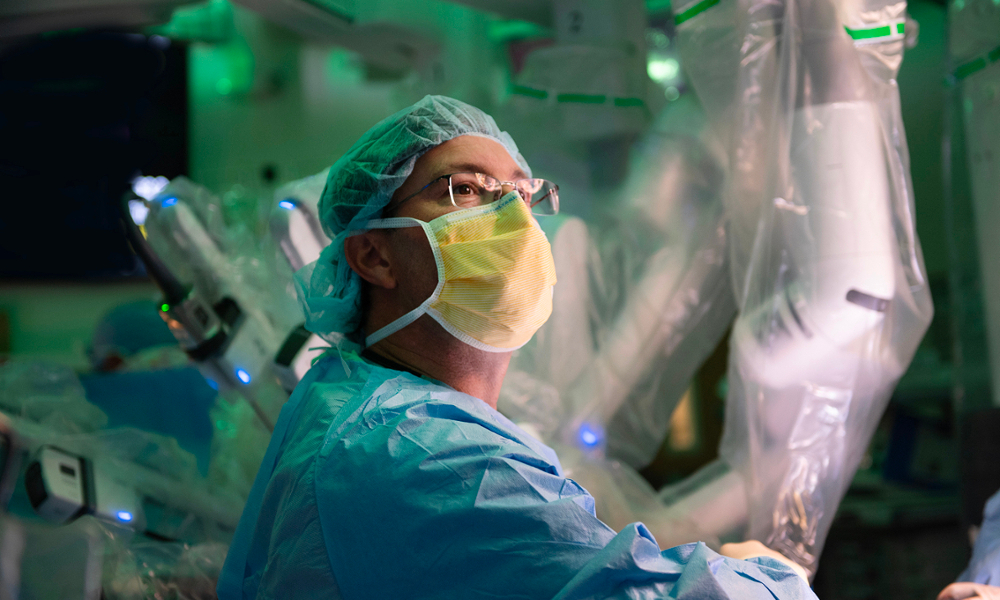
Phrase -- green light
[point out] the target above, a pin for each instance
(221, 69)
(507, 31)
(663, 70)
(165, 307)
(210, 21)
(657, 6)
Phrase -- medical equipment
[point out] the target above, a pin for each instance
(973, 194)
(391, 46)
(228, 348)
(297, 230)
(591, 84)
(294, 226)
(39, 16)
(827, 268)
(235, 349)
(110, 499)
(63, 486)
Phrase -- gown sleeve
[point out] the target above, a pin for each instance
(984, 567)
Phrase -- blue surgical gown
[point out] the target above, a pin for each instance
(985, 564)
(379, 484)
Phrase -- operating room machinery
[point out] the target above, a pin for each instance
(826, 265)
(219, 320)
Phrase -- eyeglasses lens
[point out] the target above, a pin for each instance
(477, 189)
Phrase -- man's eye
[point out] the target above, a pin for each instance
(465, 189)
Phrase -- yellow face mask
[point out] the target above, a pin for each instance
(495, 275)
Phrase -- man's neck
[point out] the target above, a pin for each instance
(426, 348)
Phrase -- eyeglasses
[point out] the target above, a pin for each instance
(467, 190)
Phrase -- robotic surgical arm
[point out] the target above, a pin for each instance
(833, 297)
(234, 327)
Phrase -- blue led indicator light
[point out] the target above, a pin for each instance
(168, 202)
(589, 436)
(286, 204)
(243, 376)
(124, 516)
(212, 384)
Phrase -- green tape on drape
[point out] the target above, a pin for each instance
(626, 102)
(873, 33)
(694, 11)
(582, 98)
(524, 90)
(978, 64)
(868, 34)
(971, 67)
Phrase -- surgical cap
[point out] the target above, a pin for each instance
(361, 184)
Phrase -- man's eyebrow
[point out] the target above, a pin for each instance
(472, 167)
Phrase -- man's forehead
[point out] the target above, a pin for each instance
(472, 166)
(474, 154)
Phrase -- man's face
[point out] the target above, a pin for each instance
(417, 274)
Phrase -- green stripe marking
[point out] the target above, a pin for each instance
(868, 34)
(978, 64)
(330, 8)
(694, 11)
(971, 67)
(524, 90)
(628, 102)
(582, 98)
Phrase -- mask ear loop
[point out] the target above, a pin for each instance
(416, 313)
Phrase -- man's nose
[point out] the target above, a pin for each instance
(506, 187)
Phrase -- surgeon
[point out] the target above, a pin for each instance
(390, 474)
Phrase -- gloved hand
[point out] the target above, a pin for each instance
(965, 589)
(753, 548)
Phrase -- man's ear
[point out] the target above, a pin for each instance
(368, 254)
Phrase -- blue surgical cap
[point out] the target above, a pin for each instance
(361, 184)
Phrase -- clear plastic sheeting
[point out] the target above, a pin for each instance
(48, 396)
(133, 465)
(974, 40)
(238, 445)
(827, 267)
(45, 561)
(160, 527)
(623, 497)
(90, 560)
(149, 569)
(643, 298)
